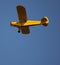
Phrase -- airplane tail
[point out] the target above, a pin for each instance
(45, 21)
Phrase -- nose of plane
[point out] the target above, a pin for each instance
(45, 21)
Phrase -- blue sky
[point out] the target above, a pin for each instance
(42, 45)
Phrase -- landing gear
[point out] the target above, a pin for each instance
(19, 31)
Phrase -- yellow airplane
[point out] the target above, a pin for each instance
(24, 23)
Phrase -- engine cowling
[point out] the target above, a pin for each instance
(45, 21)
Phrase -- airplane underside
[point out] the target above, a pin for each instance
(24, 23)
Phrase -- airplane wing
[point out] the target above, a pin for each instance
(22, 18)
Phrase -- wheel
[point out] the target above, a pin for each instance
(18, 31)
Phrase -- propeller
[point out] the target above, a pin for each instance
(45, 21)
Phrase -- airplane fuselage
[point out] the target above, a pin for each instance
(43, 21)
